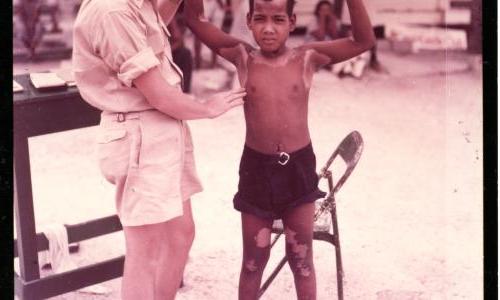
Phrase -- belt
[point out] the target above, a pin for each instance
(123, 116)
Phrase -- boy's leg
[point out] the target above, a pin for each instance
(256, 248)
(155, 257)
(298, 224)
(177, 238)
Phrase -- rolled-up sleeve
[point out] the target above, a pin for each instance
(122, 44)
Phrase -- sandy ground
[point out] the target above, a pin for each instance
(410, 215)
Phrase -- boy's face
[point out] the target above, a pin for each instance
(270, 24)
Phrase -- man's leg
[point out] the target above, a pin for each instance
(298, 224)
(176, 239)
(141, 259)
(256, 248)
(155, 257)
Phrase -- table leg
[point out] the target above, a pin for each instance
(24, 211)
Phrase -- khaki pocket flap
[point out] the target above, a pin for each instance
(109, 135)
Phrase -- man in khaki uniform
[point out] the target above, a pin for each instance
(123, 65)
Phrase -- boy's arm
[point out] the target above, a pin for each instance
(345, 48)
(217, 40)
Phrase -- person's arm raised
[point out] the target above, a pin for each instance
(217, 40)
(345, 48)
(173, 102)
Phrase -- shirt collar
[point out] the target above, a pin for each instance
(139, 3)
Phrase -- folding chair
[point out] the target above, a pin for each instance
(349, 150)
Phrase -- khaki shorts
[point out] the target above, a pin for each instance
(149, 157)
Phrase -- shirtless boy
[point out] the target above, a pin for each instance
(278, 177)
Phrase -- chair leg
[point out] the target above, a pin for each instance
(338, 255)
(271, 277)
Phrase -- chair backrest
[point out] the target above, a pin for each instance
(349, 150)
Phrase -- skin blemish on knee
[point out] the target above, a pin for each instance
(298, 249)
(262, 237)
(303, 269)
(250, 266)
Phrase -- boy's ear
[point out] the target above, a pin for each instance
(293, 22)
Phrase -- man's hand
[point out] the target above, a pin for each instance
(221, 102)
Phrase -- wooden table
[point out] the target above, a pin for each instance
(37, 113)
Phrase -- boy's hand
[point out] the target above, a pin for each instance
(224, 101)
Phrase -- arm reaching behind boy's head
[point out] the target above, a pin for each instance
(168, 9)
(217, 40)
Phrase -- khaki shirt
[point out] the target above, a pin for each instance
(114, 42)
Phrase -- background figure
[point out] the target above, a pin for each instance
(180, 53)
(52, 8)
(32, 30)
(325, 26)
(215, 13)
(378, 28)
(239, 28)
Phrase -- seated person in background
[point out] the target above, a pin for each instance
(378, 29)
(180, 53)
(325, 26)
(215, 11)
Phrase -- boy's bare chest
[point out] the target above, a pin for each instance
(266, 80)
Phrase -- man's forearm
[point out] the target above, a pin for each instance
(361, 27)
(168, 99)
(180, 106)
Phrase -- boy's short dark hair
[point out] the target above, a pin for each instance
(290, 4)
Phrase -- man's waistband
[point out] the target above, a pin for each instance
(123, 116)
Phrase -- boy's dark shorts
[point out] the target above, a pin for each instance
(267, 189)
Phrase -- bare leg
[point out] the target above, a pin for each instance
(197, 53)
(256, 249)
(141, 258)
(155, 257)
(299, 236)
(177, 238)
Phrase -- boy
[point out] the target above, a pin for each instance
(278, 168)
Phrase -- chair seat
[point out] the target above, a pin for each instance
(323, 224)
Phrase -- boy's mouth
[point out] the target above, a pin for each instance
(268, 40)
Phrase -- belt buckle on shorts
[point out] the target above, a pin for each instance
(120, 117)
(283, 158)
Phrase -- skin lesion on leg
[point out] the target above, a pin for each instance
(262, 238)
(250, 265)
(299, 260)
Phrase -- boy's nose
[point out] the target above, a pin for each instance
(268, 28)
